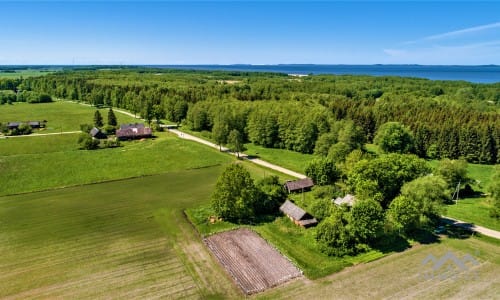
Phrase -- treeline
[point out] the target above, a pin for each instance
(24, 96)
(448, 119)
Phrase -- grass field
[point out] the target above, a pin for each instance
(24, 73)
(60, 115)
(476, 210)
(292, 160)
(38, 171)
(121, 239)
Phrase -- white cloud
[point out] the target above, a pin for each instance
(456, 33)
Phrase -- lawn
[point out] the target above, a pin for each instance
(60, 115)
(34, 170)
(120, 239)
(475, 210)
(292, 160)
(38, 144)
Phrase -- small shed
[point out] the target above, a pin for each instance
(297, 214)
(13, 125)
(299, 185)
(96, 133)
(34, 124)
(349, 200)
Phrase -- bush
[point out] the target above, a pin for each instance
(272, 194)
(322, 209)
(112, 143)
(86, 142)
(108, 129)
(86, 128)
(24, 129)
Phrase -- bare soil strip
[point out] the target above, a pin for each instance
(253, 264)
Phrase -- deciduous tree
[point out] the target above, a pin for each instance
(394, 137)
(235, 194)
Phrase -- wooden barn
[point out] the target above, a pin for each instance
(133, 131)
(299, 185)
(298, 215)
(96, 133)
(13, 125)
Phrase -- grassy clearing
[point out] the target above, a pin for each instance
(23, 73)
(299, 245)
(121, 239)
(60, 115)
(475, 210)
(38, 144)
(285, 158)
(39, 171)
(400, 276)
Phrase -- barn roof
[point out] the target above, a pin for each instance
(348, 199)
(292, 210)
(130, 125)
(299, 184)
(94, 131)
(134, 132)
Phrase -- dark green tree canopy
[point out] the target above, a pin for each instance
(383, 177)
(112, 121)
(453, 172)
(366, 220)
(235, 194)
(394, 137)
(98, 122)
(322, 171)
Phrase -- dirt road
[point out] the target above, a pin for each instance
(257, 161)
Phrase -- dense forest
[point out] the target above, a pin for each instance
(324, 114)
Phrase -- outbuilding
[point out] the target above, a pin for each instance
(96, 133)
(300, 185)
(297, 214)
(348, 200)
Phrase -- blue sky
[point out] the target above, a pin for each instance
(250, 32)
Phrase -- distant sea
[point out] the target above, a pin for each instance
(477, 74)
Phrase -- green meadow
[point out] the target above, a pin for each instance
(60, 115)
(23, 171)
(25, 73)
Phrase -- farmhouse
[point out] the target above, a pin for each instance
(297, 214)
(32, 124)
(96, 133)
(300, 185)
(133, 131)
(349, 200)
